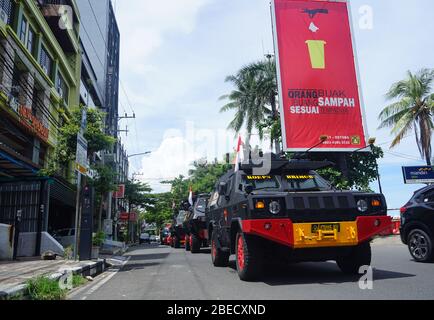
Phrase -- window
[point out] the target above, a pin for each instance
(27, 35)
(428, 197)
(23, 30)
(61, 87)
(30, 40)
(306, 181)
(261, 182)
(46, 61)
(6, 8)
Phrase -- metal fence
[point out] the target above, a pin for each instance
(24, 197)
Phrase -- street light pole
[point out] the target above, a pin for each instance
(139, 154)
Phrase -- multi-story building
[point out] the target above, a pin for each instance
(40, 67)
(100, 40)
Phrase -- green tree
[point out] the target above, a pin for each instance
(412, 111)
(161, 211)
(254, 98)
(362, 168)
(66, 147)
(138, 194)
(204, 175)
(103, 184)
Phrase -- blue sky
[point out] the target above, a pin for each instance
(176, 54)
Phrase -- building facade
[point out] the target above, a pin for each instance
(40, 67)
(100, 39)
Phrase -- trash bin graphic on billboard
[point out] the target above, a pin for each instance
(317, 53)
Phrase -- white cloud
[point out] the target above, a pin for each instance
(173, 157)
(145, 23)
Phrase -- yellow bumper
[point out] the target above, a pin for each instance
(319, 235)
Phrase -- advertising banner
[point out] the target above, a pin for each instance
(418, 175)
(317, 73)
(120, 193)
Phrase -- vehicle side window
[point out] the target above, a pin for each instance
(213, 200)
(427, 197)
(230, 183)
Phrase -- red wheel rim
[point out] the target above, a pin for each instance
(240, 253)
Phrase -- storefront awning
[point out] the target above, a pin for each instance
(13, 167)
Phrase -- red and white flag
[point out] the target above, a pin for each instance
(240, 154)
(190, 196)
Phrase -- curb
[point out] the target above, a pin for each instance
(88, 269)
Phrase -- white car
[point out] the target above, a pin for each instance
(145, 238)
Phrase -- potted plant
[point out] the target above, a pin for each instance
(97, 241)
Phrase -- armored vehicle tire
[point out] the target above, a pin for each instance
(249, 255)
(187, 243)
(420, 246)
(176, 243)
(360, 256)
(196, 243)
(220, 258)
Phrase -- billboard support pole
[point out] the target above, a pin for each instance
(343, 165)
(77, 214)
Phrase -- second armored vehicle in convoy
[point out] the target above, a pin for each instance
(195, 225)
(291, 214)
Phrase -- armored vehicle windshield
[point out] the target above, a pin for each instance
(288, 182)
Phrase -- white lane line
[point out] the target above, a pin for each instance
(113, 272)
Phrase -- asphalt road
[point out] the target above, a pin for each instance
(161, 273)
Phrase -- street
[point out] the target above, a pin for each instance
(161, 273)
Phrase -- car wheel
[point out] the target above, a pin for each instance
(195, 244)
(187, 244)
(220, 258)
(420, 246)
(360, 256)
(250, 260)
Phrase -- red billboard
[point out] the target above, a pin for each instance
(120, 193)
(318, 80)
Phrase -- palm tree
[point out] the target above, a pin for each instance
(254, 98)
(413, 111)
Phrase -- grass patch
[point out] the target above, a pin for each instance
(78, 281)
(42, 288)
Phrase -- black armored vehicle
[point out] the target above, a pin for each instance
(195, 225)
(177, 229)
(291, 215)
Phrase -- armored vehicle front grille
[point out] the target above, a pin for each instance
(299, 203)
(329, 203)
(322, 208)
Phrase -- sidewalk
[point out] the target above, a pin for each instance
(14, 275)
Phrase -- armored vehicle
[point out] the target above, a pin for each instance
(177, 230)
(291, 215)
(195, 225)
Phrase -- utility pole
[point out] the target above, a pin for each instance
(80, 167)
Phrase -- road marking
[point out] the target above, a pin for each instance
(104, 280)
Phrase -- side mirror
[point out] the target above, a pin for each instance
(249, 188)
(223, 188)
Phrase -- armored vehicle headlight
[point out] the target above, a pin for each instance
(260, 205)
(275, 207)
(362, 206)
(376, 203)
